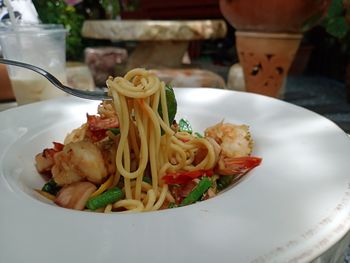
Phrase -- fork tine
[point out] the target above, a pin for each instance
(91, 95)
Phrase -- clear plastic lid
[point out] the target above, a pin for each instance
(7, 28)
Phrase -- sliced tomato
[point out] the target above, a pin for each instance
(184, 140)
(185, 176)
(97, 126)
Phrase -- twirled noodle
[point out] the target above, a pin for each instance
(136, 99)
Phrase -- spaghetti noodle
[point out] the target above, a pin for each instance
(136, 97)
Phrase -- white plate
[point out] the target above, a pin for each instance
(292, 208)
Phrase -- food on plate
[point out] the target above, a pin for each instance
(134, 156)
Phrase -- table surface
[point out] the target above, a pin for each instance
(325, 96)
(154, 30)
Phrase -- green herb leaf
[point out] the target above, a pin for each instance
(115, 131)
(147, 179)
(51, 187)
(185, 126)
(171, 103)
(224, 181)
(172, 205)
(199, 135)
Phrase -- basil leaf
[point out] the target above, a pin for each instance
(51, 187)
(171, 103)
(199, 135)
(115, 131)
(185, 126)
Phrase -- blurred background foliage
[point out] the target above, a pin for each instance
(72, 13)
(59, 12)
(331, 42)
(336, 21)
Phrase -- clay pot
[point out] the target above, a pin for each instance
(268, 36)
(292, 16)
(266, 59)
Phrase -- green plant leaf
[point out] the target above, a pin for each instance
(58, 12)
(171, 103)
(338, 27)
(311, 21)
(335, 8)
(185, 126)
(347, 14)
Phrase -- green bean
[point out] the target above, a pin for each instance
(197, 192)
(110, 196)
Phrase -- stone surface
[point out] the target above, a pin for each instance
(103, 62)
(158, 54)
(321, 95)
(154, 29)
(79, 76)
(190, 78)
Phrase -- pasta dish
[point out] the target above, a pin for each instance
(134, 156)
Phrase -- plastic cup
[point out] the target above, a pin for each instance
(41, 45)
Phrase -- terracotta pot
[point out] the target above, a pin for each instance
(266, 59)
(293, 16)
(268, 36)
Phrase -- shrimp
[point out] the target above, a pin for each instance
(236, 147)
(234, 140)
(79, 161)
(77, 134)
(44, 161)
(75, 195)
(99, 124)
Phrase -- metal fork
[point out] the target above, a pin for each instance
(91, 95)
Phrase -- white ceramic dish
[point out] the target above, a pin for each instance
(291, 208)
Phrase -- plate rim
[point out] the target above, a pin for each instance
(311, 256)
